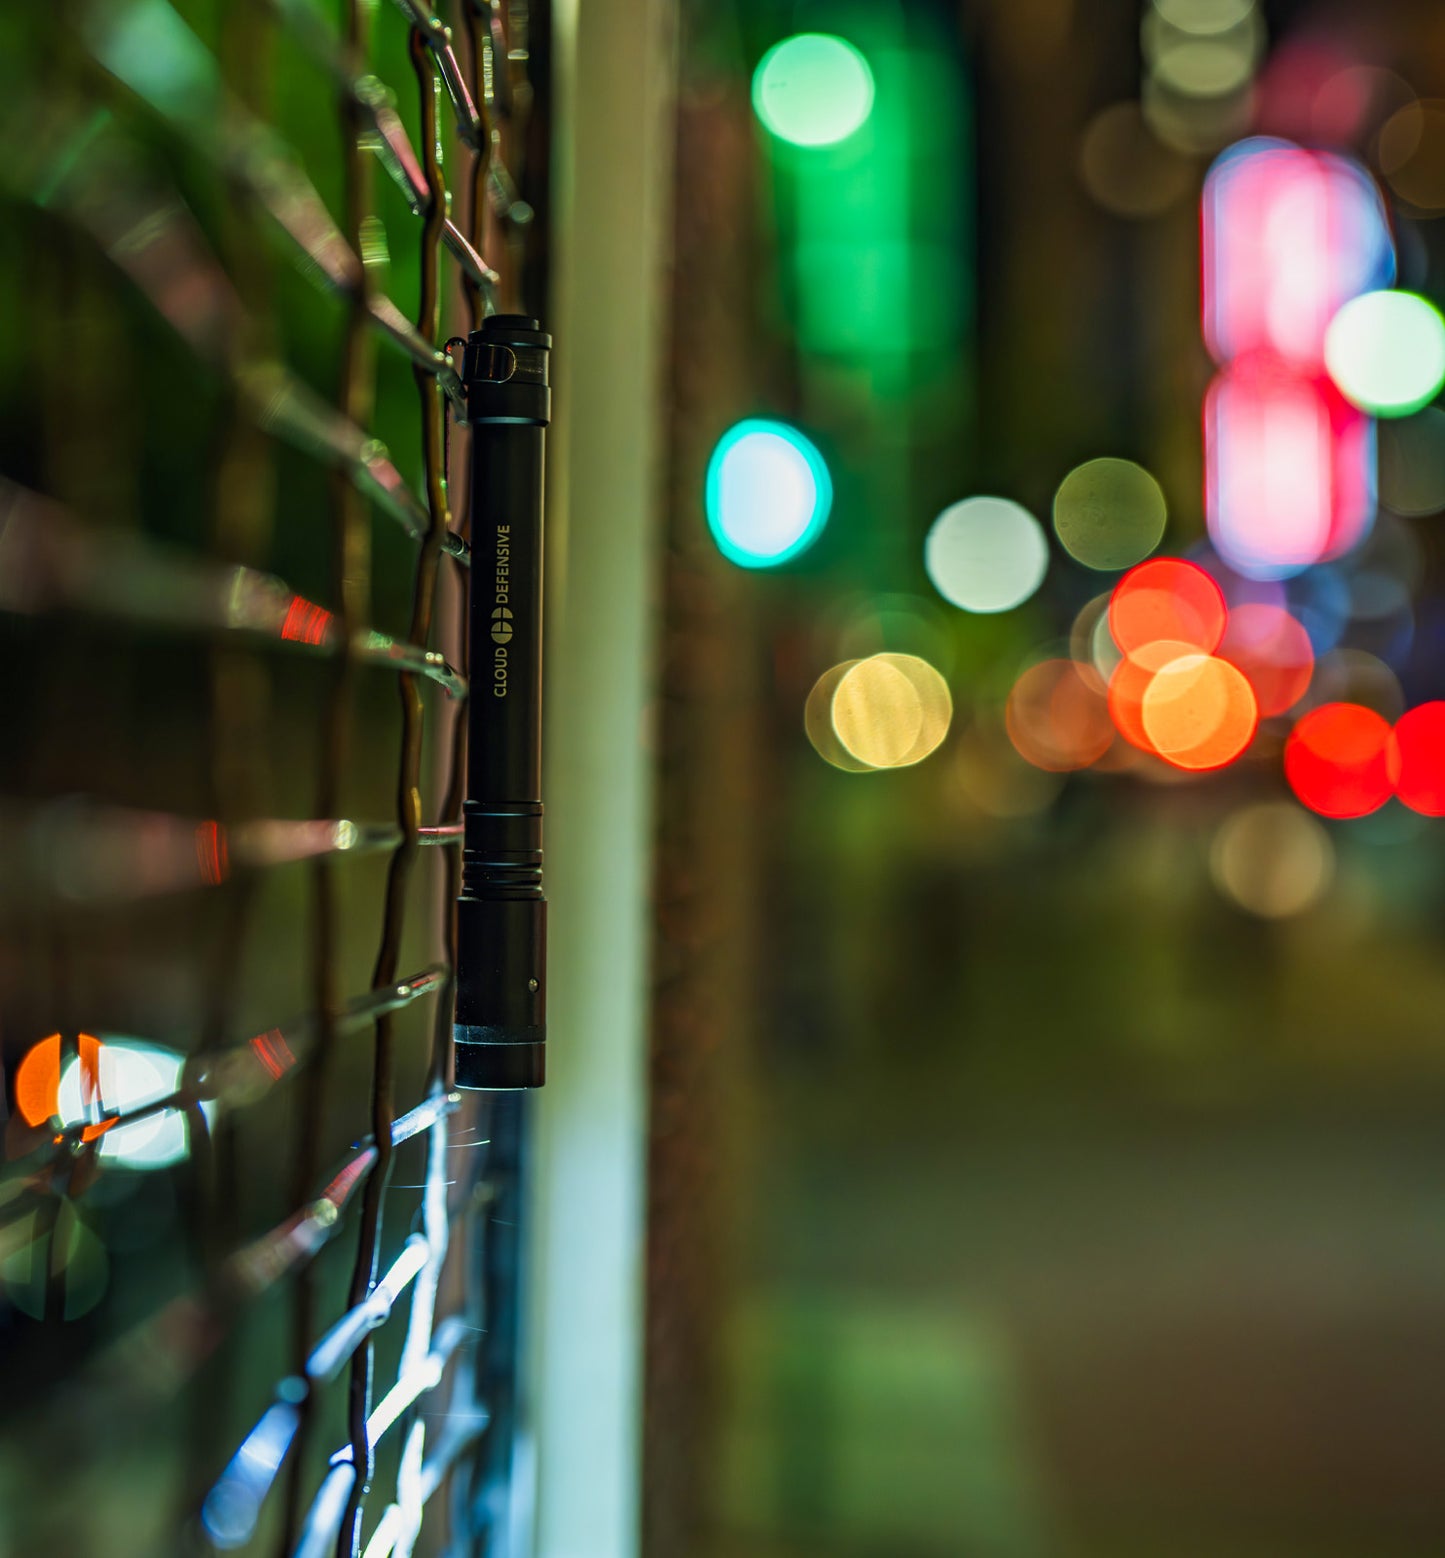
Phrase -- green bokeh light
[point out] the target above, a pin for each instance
(1109, 514)
(1386, 352)
(813, 89)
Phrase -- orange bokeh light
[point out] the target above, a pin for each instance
(1420, 742)
(1342, 760)
(1130, 682)
(1167, 599)
(37, 1081)
(1057, 718)
(1274, 652)
(1199, 712)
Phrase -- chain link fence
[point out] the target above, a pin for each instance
(258, 1272)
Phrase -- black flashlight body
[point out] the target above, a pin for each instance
(501, 1014)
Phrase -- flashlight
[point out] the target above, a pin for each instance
(501, 1015)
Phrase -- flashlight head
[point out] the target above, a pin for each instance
(505, 371)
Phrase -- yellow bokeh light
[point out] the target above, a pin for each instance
(818, 721)
(889, 711)
(1272, 859)
(877, 713)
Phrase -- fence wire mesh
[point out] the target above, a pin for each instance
(214, 810)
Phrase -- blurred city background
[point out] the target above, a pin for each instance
(1079, 1105)
(996, 1094)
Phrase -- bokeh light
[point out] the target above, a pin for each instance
(895, 623)
(132, 1074)
(768, 493)
(1194, 124)
(1204, 16)
(934, 700)
(1386, 352)
(1289, 468)
(1091, 644)
(1131, 680)
(877, 713)
(1198, 712)
(818, 720)
(37, 1079)
(887, 711)
(1420, 741)
(1057, 717)
(1126, 168)
(1353, 99)
(986, 554)
(813, 89)
(1272, 859)
(52, 1263)
(1341, 760)
(1170, 600)
(1320, 599)
(1411, 152)
(1209, 61)
(1274, 652)
(1356, 676)
(1412, 463)
(1109, 514)
(1289, 236)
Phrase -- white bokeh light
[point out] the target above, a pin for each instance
(986, 554)
(768, 493)
(132, 1074)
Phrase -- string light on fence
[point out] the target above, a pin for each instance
(1386, 352)
(768, 493)
(813, 89)
(131, 1075)
(986, 554)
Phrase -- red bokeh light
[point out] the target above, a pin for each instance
(1274, 652)
(1166, 599)
(1342, 760)
(1420, 741)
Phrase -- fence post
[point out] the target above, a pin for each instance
(614, 73)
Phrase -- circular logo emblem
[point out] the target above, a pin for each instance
(501, 626)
